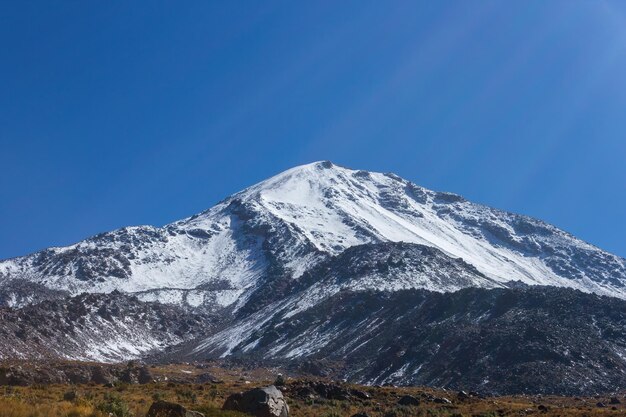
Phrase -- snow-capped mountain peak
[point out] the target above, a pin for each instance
(271, 233)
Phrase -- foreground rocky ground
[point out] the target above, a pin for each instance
(95, 390)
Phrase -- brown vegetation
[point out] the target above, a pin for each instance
(124, 400)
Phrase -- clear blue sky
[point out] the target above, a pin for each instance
(116, 113)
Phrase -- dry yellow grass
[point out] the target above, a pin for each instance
(47, 401)
(134, 400)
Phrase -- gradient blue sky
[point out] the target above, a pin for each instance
(116, 113)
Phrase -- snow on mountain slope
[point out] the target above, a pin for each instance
(337, 208)
(96, 327)
(291, 222)
(528, 339)
(387, 267)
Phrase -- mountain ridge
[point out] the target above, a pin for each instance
(317, 259)
(296, 219)
(500, 341)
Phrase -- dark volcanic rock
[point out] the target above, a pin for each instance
(135, 374)
(99, 375)
(20, 292)
(25, 376)
(78, 374)
(206, 377)
(326, 390)
(128, 376)
(362, 395)
(317, 367)
(442, 400)
(332, 391)
(54, 329)
(144, 376)
(167, 409)
(15, 377)
(408, 400)
(70, 396)
(502, 341)
(260, 402)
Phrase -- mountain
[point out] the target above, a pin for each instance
(260, 274)
(282, 227)
(101, 327)
(501, 341)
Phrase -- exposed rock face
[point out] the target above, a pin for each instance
(101, 376)
(73, 373)
(144, 376)
(134, 374)
(500, 341)
(207, 377)
(259, 402)
(70, 396)
(409, 400)
(326, 390)
(103, 327)
(18, 293)
(167, 409)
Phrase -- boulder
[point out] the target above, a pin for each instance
(280, 380)
(305, 392)
(362, 395)
(328, 391)
(70, 396)
(332, 391)
(441, 400)
(101, 376)
(260, 402)
(144, 376)
(16, 377)
(207, 377)
(78, 375)
(167, 409)
(408, 400)
(317, 368)
(129, 376)
(462, 395)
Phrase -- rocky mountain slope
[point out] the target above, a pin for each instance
(289, 223)
(377, 258)
(499, 341)
(101, 327)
